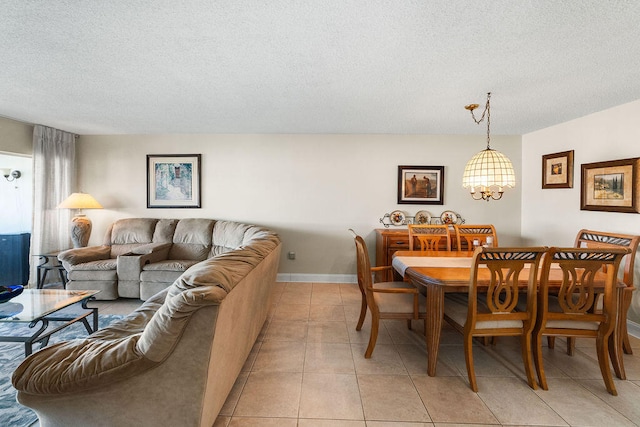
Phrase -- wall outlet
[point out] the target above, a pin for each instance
(291, 255)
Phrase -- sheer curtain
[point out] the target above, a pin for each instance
(53, 180)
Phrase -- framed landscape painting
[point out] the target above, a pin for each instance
(557, 170)
(173, 180)
(421, 185)
(610, 186)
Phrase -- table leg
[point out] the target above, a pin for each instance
(433, 325)
(618, 335)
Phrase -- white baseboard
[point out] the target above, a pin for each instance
(633, 329)
(317, 278)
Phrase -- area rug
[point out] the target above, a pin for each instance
(12, 414)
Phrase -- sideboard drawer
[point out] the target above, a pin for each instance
(398, 243)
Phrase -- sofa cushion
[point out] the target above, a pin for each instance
(166, 277)
(165, 228)
(192, 239)
(95, 270)
(170, 265)
(126, 234)
(228, 235)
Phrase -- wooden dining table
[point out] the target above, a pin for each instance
(441, 272)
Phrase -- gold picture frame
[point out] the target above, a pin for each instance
(557, 170)
(610, 186)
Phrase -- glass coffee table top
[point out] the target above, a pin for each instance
(33, 304)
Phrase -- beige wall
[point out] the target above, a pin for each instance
(553, 217)
(309, 188)
(15, 137)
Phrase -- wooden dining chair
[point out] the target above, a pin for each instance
(467, 233)
(491, 307)
(385, 300)
(569, 310)
(431, 237)
(603, 239)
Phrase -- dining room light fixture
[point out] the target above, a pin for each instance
(80, 227)
(489, 171)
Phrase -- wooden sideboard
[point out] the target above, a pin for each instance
(389, 241)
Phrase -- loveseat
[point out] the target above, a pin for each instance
(173, 361)
(142, 256)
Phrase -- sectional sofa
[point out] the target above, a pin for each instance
(141, 256)
(173, 361)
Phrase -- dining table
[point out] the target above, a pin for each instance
(441, 272)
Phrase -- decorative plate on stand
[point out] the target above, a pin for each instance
(397, 217)
(422, 217)
(449, 217)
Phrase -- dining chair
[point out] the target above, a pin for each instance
(603, 239)
(429, 237)
(467, 233)
(491, 308)
(569, 310)
(385, 300)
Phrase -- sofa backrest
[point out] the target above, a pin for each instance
(192, 239)
(126, 234)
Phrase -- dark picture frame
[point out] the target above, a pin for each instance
(173, 180)
(421, 185)
(557, 170)
(610, 186)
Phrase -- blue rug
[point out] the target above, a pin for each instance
(12, 354)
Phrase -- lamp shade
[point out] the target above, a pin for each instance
(489, 168)
(80, 201)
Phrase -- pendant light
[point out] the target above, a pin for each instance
(488, 172)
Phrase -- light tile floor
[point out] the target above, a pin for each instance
(308, 369)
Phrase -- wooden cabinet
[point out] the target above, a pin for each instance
(389, 241)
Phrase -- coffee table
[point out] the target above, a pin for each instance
(41, 306)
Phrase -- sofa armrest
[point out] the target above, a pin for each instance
(79, 365)
(81, 255)
(129, 265)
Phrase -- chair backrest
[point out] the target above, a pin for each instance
(576, 294)
(508, 268)
(603, 239)
(467, 233)
(429, 237)
(363, 263)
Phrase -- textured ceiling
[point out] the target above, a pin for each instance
(328, 66)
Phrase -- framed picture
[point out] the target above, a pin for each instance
(610, 186)
(421, 185)
(173, 180)
(557, 170)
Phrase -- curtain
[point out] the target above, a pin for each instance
(53, 181)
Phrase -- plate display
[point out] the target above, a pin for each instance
(422, 217)
(8, 292)
(449, 217)
(397, 217)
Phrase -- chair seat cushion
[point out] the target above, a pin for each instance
(554, 306)
(397, 302)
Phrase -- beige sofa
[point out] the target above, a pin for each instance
(173, 361)
(142, 256)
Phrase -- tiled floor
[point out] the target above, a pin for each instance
(308, 369)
